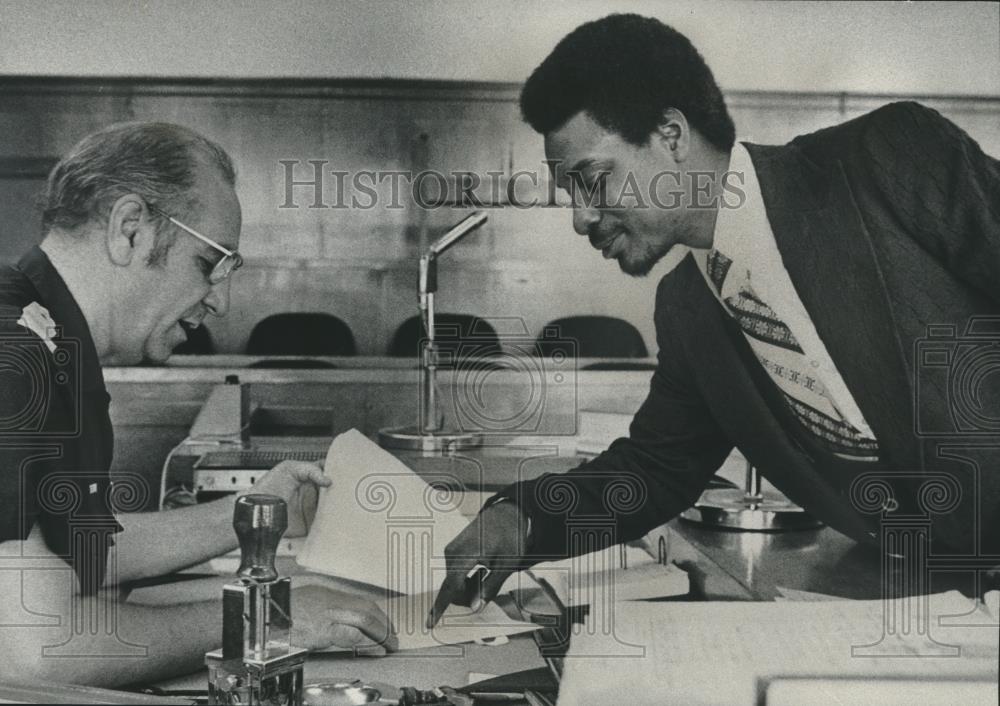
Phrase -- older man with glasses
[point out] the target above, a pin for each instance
(141, 228)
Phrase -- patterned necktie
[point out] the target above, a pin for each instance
(779, 352)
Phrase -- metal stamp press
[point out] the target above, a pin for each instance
(257, 663)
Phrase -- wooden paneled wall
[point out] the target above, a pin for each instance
(526, 265)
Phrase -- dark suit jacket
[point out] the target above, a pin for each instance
(887, 224)
(56, 439)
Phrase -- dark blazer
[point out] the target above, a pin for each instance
(887, 224)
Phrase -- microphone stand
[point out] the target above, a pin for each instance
(428, 435)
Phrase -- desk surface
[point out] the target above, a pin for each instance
(446, 666)
(818, 560)
(451, 665)
(723, 566)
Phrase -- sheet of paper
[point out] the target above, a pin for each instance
(890, 692)
(407, 613)
(457, 625)
(618, 573)
(717, 653)
(381, 523)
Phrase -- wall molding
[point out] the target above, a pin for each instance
(414, 89)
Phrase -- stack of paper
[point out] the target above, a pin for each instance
(618, 573)
(727, 653)
(381, 523)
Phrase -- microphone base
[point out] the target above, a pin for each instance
(439, 442)
(734, 509)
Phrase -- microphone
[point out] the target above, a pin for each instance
(461, 230)
(427, 275)
(427, 435)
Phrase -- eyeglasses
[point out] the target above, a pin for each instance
(231, 261)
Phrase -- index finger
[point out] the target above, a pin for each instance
(452, 588)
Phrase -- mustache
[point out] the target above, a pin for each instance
(599, 238)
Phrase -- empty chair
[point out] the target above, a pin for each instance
(462, 335)
(592, 337)
(199, 342)
(301, 334)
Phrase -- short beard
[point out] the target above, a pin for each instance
(643, 265)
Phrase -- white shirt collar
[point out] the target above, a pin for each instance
(741, 220)
(734, 225)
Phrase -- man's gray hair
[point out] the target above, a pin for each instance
(157, 161)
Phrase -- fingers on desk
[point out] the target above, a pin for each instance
(362, 626)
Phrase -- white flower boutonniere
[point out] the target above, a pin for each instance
(36, 319)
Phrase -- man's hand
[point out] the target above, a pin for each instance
(496, 540)
(296, 483)
(323, 617)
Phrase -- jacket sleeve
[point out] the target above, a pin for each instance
(943, 189)
(673, 449)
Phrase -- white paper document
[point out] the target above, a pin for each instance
(381, 523)
(727, 652)
(618, 573)
(407, 613)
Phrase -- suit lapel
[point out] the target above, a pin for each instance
(829, 257)
(747, 404)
